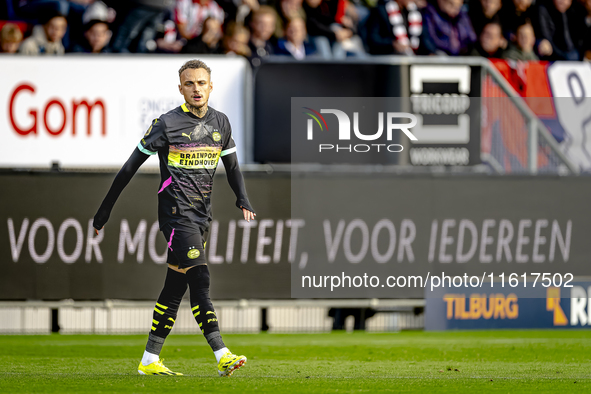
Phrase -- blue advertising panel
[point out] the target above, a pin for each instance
(506, 307)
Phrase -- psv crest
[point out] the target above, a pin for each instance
(193, 253)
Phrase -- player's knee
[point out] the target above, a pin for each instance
(171, 296)
(198, 279)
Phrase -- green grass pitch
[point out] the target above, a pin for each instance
(485, 361)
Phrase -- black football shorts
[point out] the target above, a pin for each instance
(186, 246)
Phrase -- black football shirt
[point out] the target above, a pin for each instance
(188, 149)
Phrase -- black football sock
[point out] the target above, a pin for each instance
(201, 306)
(166, 310)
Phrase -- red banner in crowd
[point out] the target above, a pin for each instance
(558, 93)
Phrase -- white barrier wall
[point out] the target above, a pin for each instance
(571, 88)
(92, 111)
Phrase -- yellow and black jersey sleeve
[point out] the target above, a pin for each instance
(228, 145)
(154, 139)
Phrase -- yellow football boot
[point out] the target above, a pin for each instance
(229, 363)
(156, 368)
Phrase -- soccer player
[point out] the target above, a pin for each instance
(189, 141)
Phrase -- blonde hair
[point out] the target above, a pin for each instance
(194, 64)
(264, 10)
(11, 33)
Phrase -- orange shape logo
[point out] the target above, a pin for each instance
(553, 304)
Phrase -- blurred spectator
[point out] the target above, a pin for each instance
(329, 29)
(238, 10)
(322, 27)
(97, 33)
(262, 28)
(513, 13)
(295, 42)
(10, 38)
(137, 28)
(47, 38)
(286, 10)
(447, 29)
(209, 42)
(77, 23)
(583, 8)
(490, 41)
(357, 15)
(558, 25)
(98, 11)
(395, 28)
(97, 37)
(523, 46)
(190, 16)
(36, 11)
(482, 12)
(168, 39)
(236, 40)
